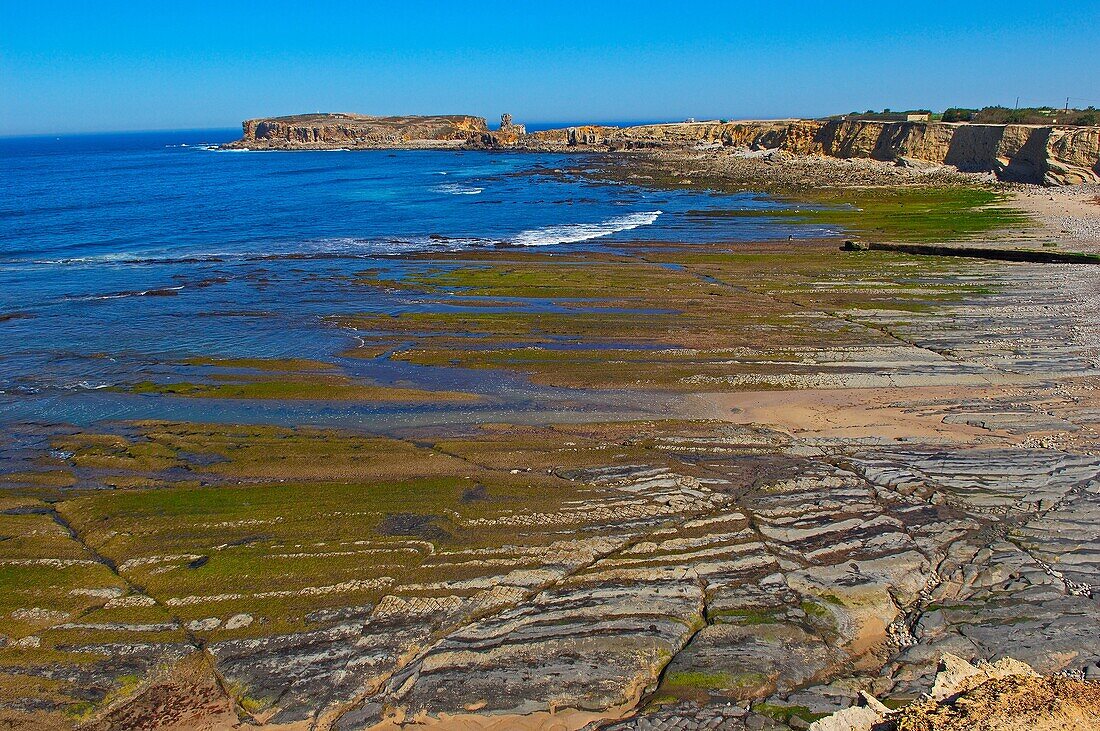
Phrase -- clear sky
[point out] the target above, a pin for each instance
(98, 66)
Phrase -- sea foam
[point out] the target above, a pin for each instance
(457, 189)
(576, 232)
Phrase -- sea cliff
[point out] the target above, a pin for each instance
(1014, 152)
(332, 131)
(1048, 155)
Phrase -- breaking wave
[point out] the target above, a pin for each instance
(575, 232)
(457, 189)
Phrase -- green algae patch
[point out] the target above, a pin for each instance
(229, 453)
(693, 685)
(674, 318)
(701, 686)
(331, 388)
(287, 365)
(279, 523)
(37, 478)
(701, 680)
(814, 610)
(750, 616)
(315, 544)
(786, 713)
(568, 279)
(910, 214)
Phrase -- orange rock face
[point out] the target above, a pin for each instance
(1024, 153)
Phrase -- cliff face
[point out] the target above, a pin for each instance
(1022, 153)
(1014, 152)
(323, 131)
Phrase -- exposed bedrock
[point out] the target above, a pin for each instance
(714, 576)
(327, 131)
(1015, 152)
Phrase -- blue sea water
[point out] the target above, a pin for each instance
(122, 254)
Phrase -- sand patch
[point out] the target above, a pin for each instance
(855, 413)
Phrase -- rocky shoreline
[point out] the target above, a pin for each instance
(1049, 155)
(880, 468)
(881, 461)
(357, 131)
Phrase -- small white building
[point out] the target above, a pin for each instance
(918, 117)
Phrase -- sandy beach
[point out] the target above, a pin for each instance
(1069, 216)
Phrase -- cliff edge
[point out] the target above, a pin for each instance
(1047, 155)
(358, 131)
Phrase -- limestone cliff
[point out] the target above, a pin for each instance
(1022, 153)
(1014, 152)
(327, 131)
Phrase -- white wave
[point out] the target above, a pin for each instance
(124, 295)
(96, 259)
(368, 247)
(457, 189)
(576, 232)
(87, 386)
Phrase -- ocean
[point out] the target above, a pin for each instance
(122, 255)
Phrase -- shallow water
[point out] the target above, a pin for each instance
(120, 255)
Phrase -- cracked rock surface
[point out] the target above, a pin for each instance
(757, 569)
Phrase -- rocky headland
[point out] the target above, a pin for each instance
(358, 131)
(1048, 155)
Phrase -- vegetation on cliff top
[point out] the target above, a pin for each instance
(989, 115)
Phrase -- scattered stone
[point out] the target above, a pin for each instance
(204, 625)
(238, 621)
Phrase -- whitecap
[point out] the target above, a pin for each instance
(575, 232)
(457, 189)
(123, 295)
(95, 259)
(87, 386)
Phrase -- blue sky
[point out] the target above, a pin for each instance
(98, 66)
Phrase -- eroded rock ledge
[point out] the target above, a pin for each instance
(1021, 153)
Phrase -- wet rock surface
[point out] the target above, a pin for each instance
(659, 575)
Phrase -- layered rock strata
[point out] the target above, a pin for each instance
(753, 576)
(358, 131)
(1015, 152)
